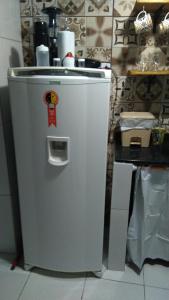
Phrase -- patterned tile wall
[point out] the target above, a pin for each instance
(104, 30)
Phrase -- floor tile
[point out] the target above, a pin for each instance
(156, 275)
(99, 289)
(11, 284)
(152, 293)
(128, 276)
(48, 285)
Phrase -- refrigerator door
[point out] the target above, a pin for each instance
(61, 170)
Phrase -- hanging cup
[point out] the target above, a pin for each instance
(163, 27)
(143, 22)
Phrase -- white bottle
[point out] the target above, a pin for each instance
(69, 60)
(42, 56)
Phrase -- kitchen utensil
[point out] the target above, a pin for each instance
(143, 22)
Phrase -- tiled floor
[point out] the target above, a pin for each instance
(152, 284)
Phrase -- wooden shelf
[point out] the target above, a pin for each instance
(152, 5)
(148, 73)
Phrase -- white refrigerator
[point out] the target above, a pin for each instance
(60, 125)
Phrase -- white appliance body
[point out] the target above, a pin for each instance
(61, 170)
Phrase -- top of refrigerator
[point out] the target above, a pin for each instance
(59, 71)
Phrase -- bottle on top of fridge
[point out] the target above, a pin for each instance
(69, 60)
(42, 56)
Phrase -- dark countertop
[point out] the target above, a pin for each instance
(156, 155)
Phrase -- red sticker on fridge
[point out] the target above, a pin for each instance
(51, 99)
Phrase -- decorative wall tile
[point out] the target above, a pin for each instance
(110, 113)
(164, 114)
(112, 101)
(122, 89)
(109, 182)
(123, 59)
(124, 32)
(151, 39)
(27, 40)
(162, 40)
(135, 106)
(166, 90)
(98, 7)
(26, 7)
(78, 26)
(112, 118)
(165, 51)
(27, 31)
(100, 53)
(80, 52)
(165, 121)
(124, 8)
(99, 31)
(149, 89)
(150, 106)
(38, 5)
(28, 54)
(120, 107)
(72, 7)
(69, 7)
(110, 155)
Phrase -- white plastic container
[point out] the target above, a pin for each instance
(42, 56)
(56, 62)
(136, 128)
(81, 62)
(69, 60)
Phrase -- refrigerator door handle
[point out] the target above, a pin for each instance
(58, 150)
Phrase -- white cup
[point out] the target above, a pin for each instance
(163, 27)
(143, 22)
